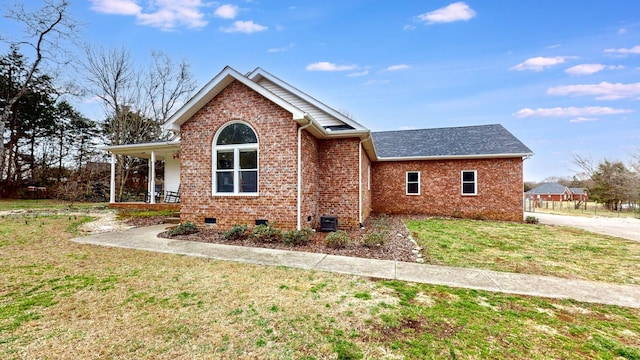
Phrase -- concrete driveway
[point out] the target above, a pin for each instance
(624, 227)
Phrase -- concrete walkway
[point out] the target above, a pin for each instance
(145, 238)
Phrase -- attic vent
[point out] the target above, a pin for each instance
(328, 223)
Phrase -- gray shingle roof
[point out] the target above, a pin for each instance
(547, 188)
(448, 142)
(577, 191)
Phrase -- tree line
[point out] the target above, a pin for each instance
(46, 141)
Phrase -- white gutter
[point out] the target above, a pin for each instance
(455, 157)
(310, 122)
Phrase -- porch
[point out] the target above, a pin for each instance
(161, 193)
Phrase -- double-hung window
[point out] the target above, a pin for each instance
(469, 182)
(235, 160)
(413, 183)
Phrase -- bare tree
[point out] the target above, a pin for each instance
(137, 102)
(111, 77)
(169, 85)
(585, 164)
(45, 29)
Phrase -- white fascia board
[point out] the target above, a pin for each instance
(259, 72)
(143, 146)
(214, 87)
(456, 157)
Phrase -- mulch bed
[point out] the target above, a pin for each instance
(396, 247)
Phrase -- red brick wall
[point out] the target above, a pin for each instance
(277, 156)
(311, 182)
(499, 187)
(338, 167)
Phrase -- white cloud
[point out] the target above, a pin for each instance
(622, 31)
(582, 119)
(246, 27)
(282, 49)
(397, 67)
(602, 91)
(453, 12)
(624, 51)
(588, 69)
(327, 66)
(540, 63)
(585, 69)
(118, 7)
(226, 11)
(408, 27)
(163, 14)
(569, 112)
(360, 73)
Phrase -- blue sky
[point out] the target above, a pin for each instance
(563, 76)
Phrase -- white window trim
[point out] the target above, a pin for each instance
(236, 163)
(475, 183)
(406, 183)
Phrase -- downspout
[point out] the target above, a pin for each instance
(360, 179)
(299, 207)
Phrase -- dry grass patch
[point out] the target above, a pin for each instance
(60, 299)
(525, 248)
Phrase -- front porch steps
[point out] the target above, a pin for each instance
(174, 219)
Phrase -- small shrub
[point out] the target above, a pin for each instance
(531, 220)
(382, 222)
(373, 239)
(297, 237)
(186, 228)
(266, 233)
(338, 239)
(237, 232)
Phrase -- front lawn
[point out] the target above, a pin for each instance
(530, 249)
(59, 299)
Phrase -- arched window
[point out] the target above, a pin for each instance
(235, 160)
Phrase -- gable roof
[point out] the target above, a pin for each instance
(304, 108)
(486, 141)
(548, 188)
(328, 117)
(214, 87)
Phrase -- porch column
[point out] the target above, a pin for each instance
(112, 184)
(152, 178)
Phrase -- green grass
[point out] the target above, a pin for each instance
(59, 299)
(525, 248)
(12, 204)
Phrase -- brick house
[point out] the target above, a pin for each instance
(555, 192)
(253, 148)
